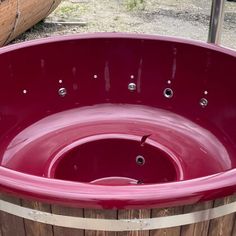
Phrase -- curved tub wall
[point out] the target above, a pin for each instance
(192, 73)
(100, 90)
(17, 16)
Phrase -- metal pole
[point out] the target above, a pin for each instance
(216, 21)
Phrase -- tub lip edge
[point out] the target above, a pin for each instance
(120, 35)
(118, 197)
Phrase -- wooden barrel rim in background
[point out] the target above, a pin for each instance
(16, 16)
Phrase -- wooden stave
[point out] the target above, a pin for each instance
(17, 16)
(221, 226)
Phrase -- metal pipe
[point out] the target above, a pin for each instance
(216, 21)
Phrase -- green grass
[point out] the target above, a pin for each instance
(69, 10)
(135, 4)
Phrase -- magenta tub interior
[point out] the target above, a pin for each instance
(117, 121)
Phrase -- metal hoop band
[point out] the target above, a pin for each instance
(117, 225)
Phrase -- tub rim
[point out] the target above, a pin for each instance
(86, 195)
(114, 35)
(118, 197)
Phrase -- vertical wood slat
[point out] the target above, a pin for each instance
(100, 214)
(222, 226)
(198, 228)
(1, 220)
(234, 227)
(134, 214)
(34, 228)
(14, 226)
(11, 225)
(174, 231)
(60, 210)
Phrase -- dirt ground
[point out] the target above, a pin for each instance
(182, 18)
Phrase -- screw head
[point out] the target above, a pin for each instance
(62, 92)
(132, 87)
(203, 102)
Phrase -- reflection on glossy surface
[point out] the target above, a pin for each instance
(189, 145)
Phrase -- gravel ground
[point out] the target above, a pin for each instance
(181, 18)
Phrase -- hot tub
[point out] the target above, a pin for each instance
(117, 134)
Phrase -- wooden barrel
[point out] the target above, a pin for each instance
(209, 218)
(16, 16)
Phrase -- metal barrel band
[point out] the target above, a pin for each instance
(119, 224)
